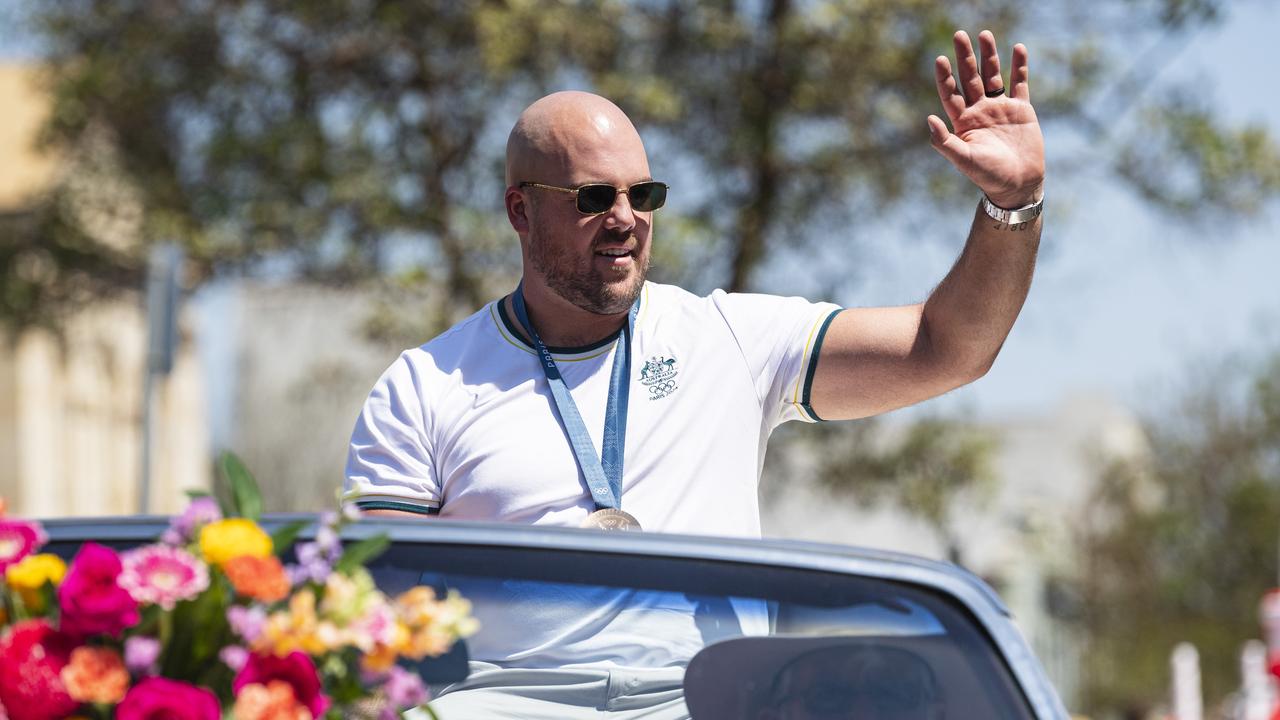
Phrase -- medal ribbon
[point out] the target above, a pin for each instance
(603, 475)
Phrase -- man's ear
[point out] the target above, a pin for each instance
(517, 209)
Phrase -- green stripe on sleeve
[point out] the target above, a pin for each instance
(813, 366)
(393, 505)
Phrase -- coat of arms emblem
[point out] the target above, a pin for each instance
(659, 375)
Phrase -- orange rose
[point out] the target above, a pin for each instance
(273, 701)
(259, 578)
(95, 675)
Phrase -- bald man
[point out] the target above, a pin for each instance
(592, 397)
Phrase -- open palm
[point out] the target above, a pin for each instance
(995, 138)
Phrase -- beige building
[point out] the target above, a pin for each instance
(71, 402)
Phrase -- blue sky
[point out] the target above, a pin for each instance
(1125, 302)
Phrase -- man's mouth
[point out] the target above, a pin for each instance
(617, 256)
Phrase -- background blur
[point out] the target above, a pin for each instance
(318, 185)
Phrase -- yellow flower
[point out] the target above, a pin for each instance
(297, 628)
(380, 659)
(29, 575)
(433, 624)
(347, 598)
(223, 540)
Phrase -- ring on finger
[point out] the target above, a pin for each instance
(995, 93)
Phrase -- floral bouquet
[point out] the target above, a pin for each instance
(208, 623)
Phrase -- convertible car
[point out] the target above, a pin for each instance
(583, 623)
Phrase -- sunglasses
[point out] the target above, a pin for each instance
(599, 198)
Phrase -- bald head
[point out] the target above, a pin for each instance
(570, 138)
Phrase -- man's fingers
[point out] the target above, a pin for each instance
(948, 91)
(967, 67)
(992, 83)
(944, 141)
(1018, 77)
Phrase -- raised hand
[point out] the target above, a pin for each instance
(995, 138)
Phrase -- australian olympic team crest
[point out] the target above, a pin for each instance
(659, 375)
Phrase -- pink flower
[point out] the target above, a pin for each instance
(159, 698)
(295, 669)
(91, 599)
(404, 690)
(247, 622)
(32, 656)
(201, 512)
(141, 654)
(234, 657)
(18, 539)
(162, 575)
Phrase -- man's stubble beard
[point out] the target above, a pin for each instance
(577, 280)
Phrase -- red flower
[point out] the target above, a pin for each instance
(92, 601)
(18, 539)
(31, 660)
(295, 669)
(158, 698)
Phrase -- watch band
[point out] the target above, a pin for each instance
(1026, 213)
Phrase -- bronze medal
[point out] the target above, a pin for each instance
(611, 519)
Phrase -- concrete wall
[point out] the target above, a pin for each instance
(71, 419)
(302, 371)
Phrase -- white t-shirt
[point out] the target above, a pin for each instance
(465, 425)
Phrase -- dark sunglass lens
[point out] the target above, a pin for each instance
(595, 199)
(647, 196)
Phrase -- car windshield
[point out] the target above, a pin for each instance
(657, 637)
(598, 633)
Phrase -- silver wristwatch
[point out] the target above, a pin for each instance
(1026, 213)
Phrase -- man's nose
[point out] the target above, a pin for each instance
(621, 216)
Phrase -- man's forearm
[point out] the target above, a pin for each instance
(968, 316)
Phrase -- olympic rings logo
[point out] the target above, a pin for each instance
(662, 389)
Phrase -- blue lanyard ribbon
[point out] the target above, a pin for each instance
(603, 474)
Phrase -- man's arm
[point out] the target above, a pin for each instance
(876, 359)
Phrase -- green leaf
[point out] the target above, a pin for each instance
(283, 538)
(48, 597)
(196, 494)
(362, 552)
(343, 678)
(245, 497)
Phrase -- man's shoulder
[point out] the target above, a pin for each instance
(477, 332)
(718, 302)
(664, 298)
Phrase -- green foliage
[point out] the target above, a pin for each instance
(193, 634)
(1197, 164)
(358, 554)
(340, 135)
(1182, 545)
(284, 537)
(245, 499)
(928, 467)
